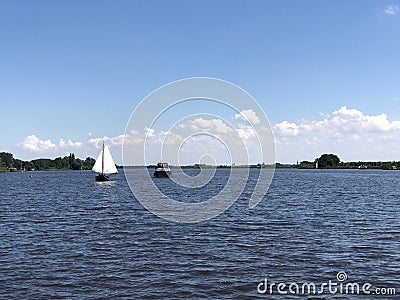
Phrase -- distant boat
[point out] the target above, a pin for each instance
(13, 170)
(363, 167)
(104, 165)
(162, 170)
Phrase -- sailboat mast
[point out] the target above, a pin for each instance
(102, 160)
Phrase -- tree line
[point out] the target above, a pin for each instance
(332, 161)
(69, 162)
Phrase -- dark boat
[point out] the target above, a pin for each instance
(162, 170)
(102, 177)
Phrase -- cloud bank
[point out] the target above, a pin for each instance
(347, 132)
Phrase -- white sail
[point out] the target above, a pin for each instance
(109, 165)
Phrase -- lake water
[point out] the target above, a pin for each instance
(63, 236)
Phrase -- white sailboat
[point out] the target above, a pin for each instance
(104, 165)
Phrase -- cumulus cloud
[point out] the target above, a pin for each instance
(35, 144)
(69, 143)
(195, 136)
(343, 120)
(287, 129)
(347, 131)
(391, 10)
(149, 132)
(197, 147)
(214, 126)
(248, 115)
(110, 141)
(246, 132)
(33, 147)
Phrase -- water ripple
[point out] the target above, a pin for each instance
(64, 236)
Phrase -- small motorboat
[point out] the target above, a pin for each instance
(162, 170)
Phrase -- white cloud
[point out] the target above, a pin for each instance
(248, 115)
(347, 131)
(213, 126)
(109, 141)
(149, 132)
(198, 136)
(343, 120)
(246, 131)
(352, 119)
(33, 147)
(287, 129)
(195, 148)
(33, 143)
(69, 143)
(391, 10)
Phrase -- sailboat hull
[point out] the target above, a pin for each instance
(162, 174)
(102, 177)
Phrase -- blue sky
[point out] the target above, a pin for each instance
(75, 70)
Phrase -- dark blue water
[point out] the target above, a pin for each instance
(63, 236)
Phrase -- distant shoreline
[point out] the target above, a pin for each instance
(194, 168)
(8, 162)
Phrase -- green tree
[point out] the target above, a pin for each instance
(43, 164)
(88, 163)
(58, 163)
(65, 163)
(306, 165)
(6, 160)
(77, 164)
(18, 163)
(328, 161)
(71, 160)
